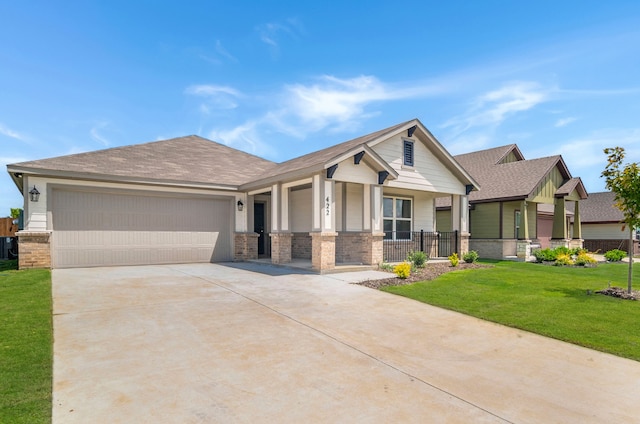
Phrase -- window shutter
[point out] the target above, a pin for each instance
(408, 153)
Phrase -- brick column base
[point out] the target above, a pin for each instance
(246, 246)
(359, 247)
(323, 251)
(281, 247)
(576, 243)
(34, 249)
(463, 242)
(559, 243)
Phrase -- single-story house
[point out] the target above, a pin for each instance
(190, 199)
(603, 225)
(521, 203)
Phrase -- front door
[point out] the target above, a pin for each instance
(258, 225)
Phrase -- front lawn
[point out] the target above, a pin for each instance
(558, 302)
(25, 345)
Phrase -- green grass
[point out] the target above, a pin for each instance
(25, 345)
(547, 300)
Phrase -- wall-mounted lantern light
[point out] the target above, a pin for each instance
(34, 194)
(240, 205)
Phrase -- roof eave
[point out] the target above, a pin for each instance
(49, 173)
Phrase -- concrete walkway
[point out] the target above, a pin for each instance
(250, 343)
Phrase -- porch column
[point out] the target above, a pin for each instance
(523, 244)
(280, 233)
(323, 236)
(460, 221)
(577, 224)
(559, 234)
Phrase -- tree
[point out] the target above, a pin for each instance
(15, 212)
(624, 182)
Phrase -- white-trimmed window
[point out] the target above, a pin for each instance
(397, 218)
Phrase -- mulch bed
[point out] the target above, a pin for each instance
(620, 292)
(429, 272)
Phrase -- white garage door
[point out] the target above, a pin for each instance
(102, 229)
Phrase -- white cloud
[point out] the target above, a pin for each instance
(243, 137)
(95, 133)
(270, 32)
(6, 131)
(216, 96)
(564, 122)
(492, 108)
(223, 52)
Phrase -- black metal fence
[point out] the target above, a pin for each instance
(8, 248)
(398, 244)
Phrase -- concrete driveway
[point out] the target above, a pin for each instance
(209, 343)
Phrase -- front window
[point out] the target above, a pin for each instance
(397, 213)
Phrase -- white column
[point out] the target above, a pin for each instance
(316, 203)
(376, 209)
(367, 207)
(456, 217)
(284, 209)
(275, 208)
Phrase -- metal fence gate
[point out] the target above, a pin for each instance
(398, 244)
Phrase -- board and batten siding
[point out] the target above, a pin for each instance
(485, 221)
(428, 173)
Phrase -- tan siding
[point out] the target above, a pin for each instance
(361, 173)
(485, 220)
(423, 218)
(509, 219)
(511, 157)
(604, 232)
(354, 207)
(300, 209)
(97, 229)
(428, 174)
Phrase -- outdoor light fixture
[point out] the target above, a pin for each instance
(240, 205)
(34, 194)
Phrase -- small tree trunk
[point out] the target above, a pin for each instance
(630, 248)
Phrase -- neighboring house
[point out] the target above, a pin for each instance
(189, 199)
(603, 225)
(521, 203)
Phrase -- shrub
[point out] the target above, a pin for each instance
(545, 255)
(470, 257)
(402, 270)
(583, 259)
(615, 255)
(562, 250)
(563, 259)
(578, 250)
(386, 266)
(417, 258)
(454, 259)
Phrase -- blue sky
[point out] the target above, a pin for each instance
(280, 80)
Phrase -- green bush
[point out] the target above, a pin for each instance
(386, 266)
(402, 270)
(562, 250)
(454, 259)
(470, 257)
(615, 255)
(563, 259)
(545, 255)
(417, 258)
(582, 259)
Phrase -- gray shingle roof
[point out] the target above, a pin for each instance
(189, 159)
(599, 208)
(510, 180)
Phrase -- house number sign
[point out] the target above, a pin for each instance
(327, 206)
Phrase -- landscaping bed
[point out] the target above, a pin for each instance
(430, 272)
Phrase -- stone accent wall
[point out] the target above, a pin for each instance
(245, 246)
(494, 248)
(523, 250)
(463, 242)
(323, 257)
(301, 246)
(281, 247)
(34, 249)
(576, 243)
(559, 243)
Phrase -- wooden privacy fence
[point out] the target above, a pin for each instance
(7, 227)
